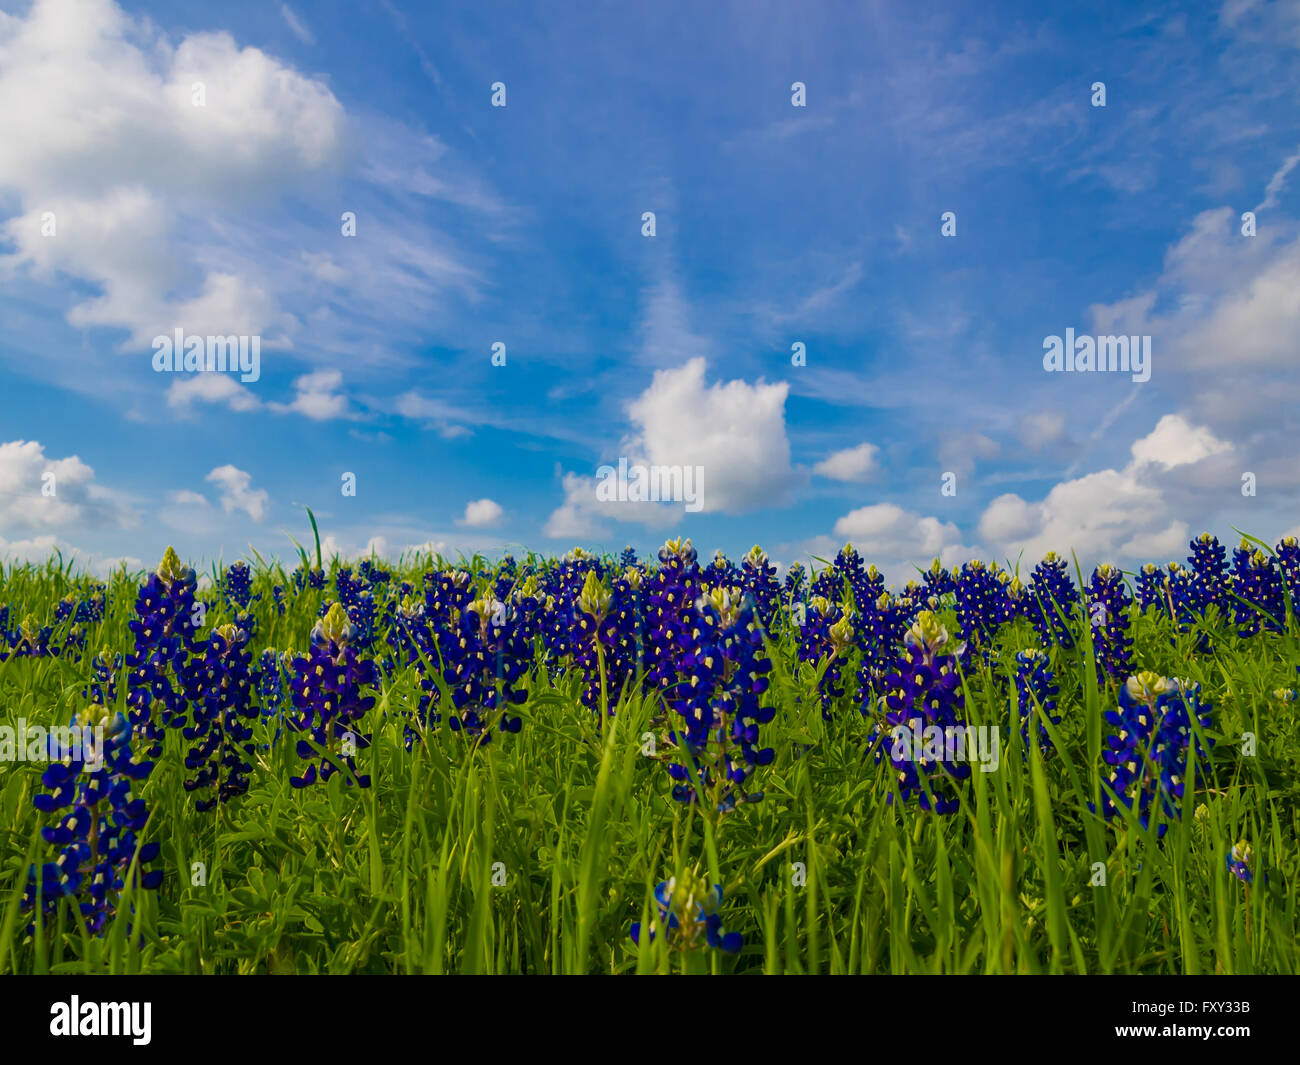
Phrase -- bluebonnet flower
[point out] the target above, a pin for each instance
(1036, 691)
(102, 689)
(723, 670)
(758, 579)
(1180, 601)
(796, 579)
(923, 691)
(828, 637)
(165, 628)
(270, 679)
(1238, 860)
(1288, 563)
(221, 705)
(308, 577)
(358, 602)
(1052, 601)
(721, 573)
(33, 640)
(669, 598)
(688, 915)
(1259, 602)
(609, 644)
(373, 575)
(1209, 571)
(938, 581)
(866, 583)
(98, 837)
(627, 558)
(329, 683)
(1150, 586)
(446, 595)
(483, 666)
(982, 606)
(237, 585)
(87, 611)
(1108, 600)
(1148, 751)
(878, 632)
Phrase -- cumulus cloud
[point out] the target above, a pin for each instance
(582, 515)
(733, 432)
(854, 464)
(481, 513)
(888, 532)
(38, 492)
(237, 493)
(1116, 515)
(1173, 442)
(211, 388)
(134, 156)
(316, 396)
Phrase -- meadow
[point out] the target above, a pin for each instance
(603, 764)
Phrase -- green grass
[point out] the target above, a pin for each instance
(536, 852)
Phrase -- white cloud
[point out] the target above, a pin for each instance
(237, 493)
(187, 511)
(212, 387)
(1042, 428)
(99, 124)
(958, 452)
(481, 513)
(888, 532)
(734, 430)
(854, 464)
(581, 515)
(1113, 515)
(1223, 317)
(317, 396)
(40, 549)
(30, 501)
(299, 28)
(1173, 442)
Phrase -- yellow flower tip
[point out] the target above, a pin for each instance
(171, 568)
(841, 633)
(1147, 686)
(335, 626)
(594, 598)
(927, 632)
(726, 601)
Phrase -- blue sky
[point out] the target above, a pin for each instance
(522, 225)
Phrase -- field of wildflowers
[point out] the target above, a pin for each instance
(619, 764)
